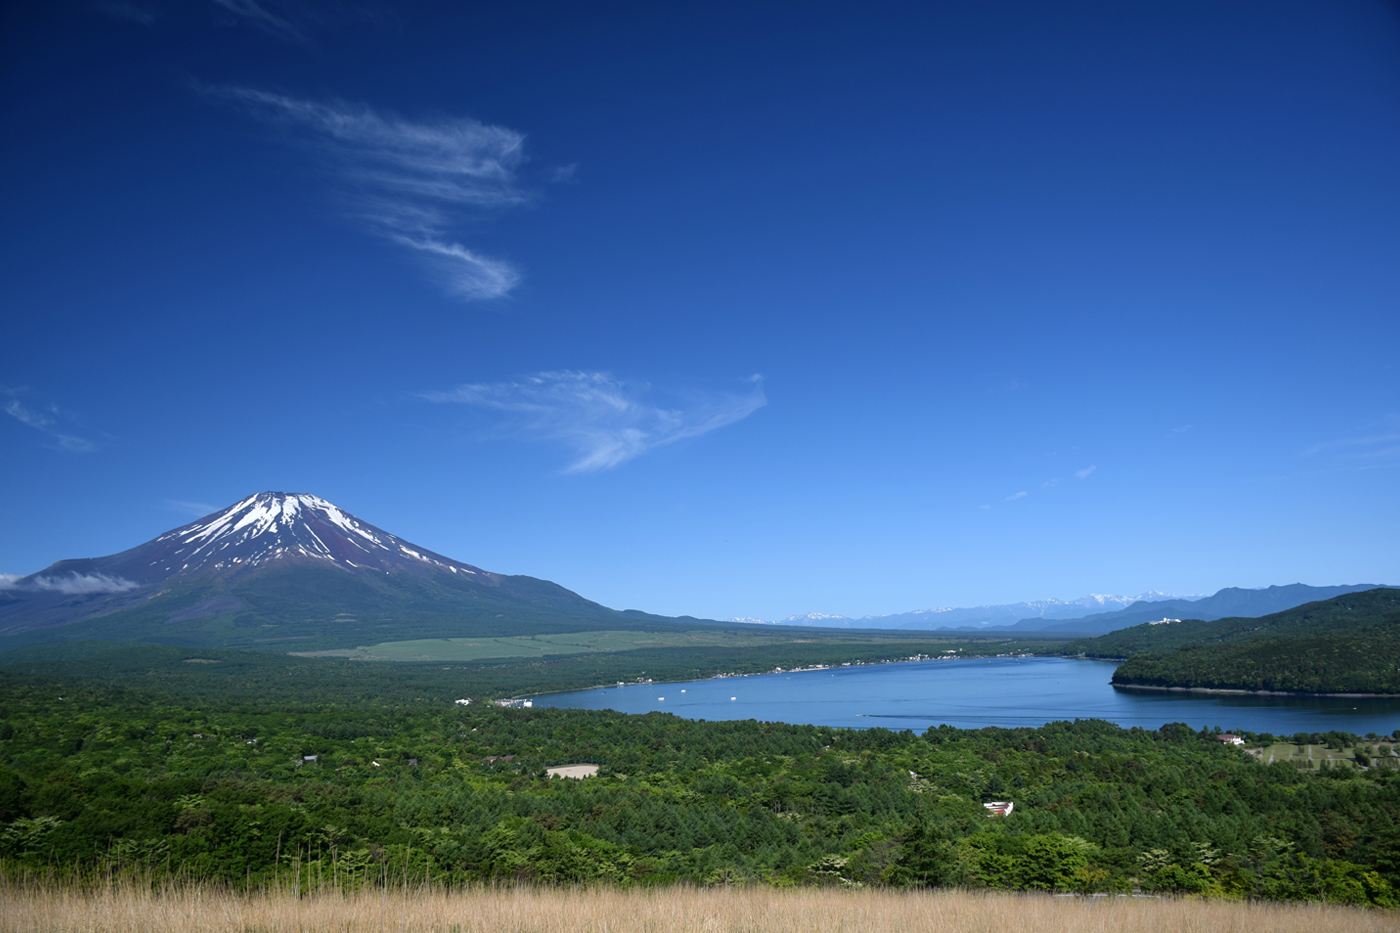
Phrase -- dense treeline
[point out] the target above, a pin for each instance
(1350, 644)
(1356, 662)
(264, 674)
(223, 786)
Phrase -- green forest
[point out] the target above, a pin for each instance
(170, 668)
(248, 769)
(1350, 644)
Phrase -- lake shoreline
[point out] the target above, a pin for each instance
(794, 670)
(1231, 691)
(975, 693)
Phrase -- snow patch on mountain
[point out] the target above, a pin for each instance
(273, 525)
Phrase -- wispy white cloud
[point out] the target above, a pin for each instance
(80, 583)
(73, 584)
(464, 273)
(45, 416)
(260, 16)
(603, 420)
(1084, 473)
(1020, 495)
(1375, 448)
(1368, 441)
(192, 509)
(1183, 429)
(563, 174)
(120, 9)
(412, 182)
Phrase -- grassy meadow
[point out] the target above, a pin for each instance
(539, 646)
(132, 908)
(1313, 755)
(791, 648)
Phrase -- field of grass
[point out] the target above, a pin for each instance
(1315, 755)
(136, 909)
(614, 641)
(539, 646)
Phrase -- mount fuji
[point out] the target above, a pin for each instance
(288, 570)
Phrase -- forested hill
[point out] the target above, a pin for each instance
(350, 780)
(1350, 644)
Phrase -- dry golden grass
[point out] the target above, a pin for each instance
(194, 909)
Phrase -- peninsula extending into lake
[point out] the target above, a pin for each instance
(1349, 645)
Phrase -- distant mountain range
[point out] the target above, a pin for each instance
(1078, 618)
(1229, 602)
(975, 616)
(278, 571)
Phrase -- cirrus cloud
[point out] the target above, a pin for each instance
(260, 16)
(410, 182)
(1377, 448)
(192, 509)
(25, 407)
(602, 419)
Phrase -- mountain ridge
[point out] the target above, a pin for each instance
(1056, 617)
(971, 616)
(1232, 601)
(279, 568)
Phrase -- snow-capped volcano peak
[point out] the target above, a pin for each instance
(267, 512)
(286, 567)
(287, 526)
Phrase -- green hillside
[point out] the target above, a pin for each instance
(1328, 615)
(308, 608)
(1350, 644)
(1356, 662)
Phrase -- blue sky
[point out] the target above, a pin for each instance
(714, 308)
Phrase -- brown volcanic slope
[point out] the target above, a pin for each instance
(282, 570)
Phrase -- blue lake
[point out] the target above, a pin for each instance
(977, 692)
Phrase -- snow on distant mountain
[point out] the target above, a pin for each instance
(1231, 601)
(1090, 615)
(976, 616)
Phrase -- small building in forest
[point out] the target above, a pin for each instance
(999, 807)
